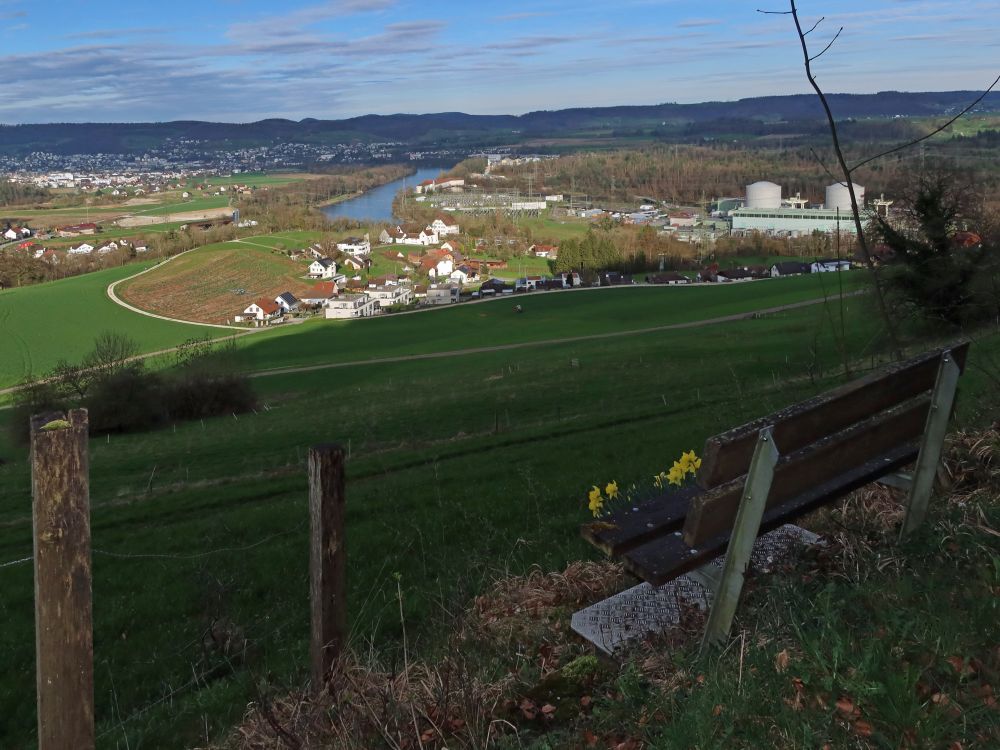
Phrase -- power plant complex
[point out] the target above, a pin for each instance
(765, 211)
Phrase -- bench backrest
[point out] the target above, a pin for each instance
(821, 440)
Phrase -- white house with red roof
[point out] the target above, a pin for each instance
(260, 312)
(444, 225)
(320, 293)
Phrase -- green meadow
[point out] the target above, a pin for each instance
(41, 324)
(460, 469)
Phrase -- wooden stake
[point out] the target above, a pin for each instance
(64, 638)
(327, 560)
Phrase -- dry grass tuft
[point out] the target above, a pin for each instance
(363, 706)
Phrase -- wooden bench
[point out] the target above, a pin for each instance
(772, 470)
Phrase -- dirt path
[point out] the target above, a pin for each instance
(546, 342)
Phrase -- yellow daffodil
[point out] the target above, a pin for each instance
(596, 501)
(612, 490)
(676, 473)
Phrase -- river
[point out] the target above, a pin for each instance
(376, 204)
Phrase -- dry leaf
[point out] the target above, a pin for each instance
(863, 728)
(548, 709)
(846, 706)
(589, 738)
(585, 701)
(782, 660)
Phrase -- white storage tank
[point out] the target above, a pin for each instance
(838, 196)
(763, 194)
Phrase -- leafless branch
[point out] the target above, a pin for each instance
(820, 161)
(934, 132)
(835, 36)
(822, 18)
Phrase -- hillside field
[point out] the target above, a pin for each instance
(44, 323)
(460, 469)
(216, 282)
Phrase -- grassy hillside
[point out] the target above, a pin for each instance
(216, 282)
(546, 316)
(459, 469)
(58, 320)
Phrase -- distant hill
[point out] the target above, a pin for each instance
(465, 129)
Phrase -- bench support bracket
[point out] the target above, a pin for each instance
(932, 443)
(745, 530)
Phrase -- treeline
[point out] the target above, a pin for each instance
(18, 193)
(690, 175)
(293, 206)
(123, 396)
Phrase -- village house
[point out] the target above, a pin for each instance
(829, 265)
(388, 295)
(444, 225)
(348, 306)
(82, 249)
(789, 268)
(437, 265)
(16, 233)
(444, 294)
(672, 279)
(75, 230)
(544, 251)
(356, 246)
(355, 264)
(287, 302)
(733, 274)
(261, 312)
(464, 275)
(320, 293)
(110, 247)
(324, 268)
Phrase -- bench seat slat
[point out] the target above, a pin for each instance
(714, 512)
(726, 456)
(629, 527)
(665, 558)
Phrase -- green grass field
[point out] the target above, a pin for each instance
(546, 316)
(545, 227)
(186, 206)
(42, 324)
(460, 469)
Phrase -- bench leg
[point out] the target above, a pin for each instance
(748, 518)
(932, 444)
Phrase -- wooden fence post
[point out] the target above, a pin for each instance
(327, 560)
(64, 638)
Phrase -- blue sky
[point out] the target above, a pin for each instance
(244, 60)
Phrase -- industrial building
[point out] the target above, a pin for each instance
(766, 212)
